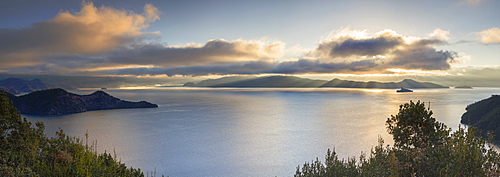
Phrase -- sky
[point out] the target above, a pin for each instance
(226, 37)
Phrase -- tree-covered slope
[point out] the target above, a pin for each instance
(484, 114)
(26, 151)
(422, 147)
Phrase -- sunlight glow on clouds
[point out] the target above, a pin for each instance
(440, 34)
(90, 31)
(490, 36)
(392, 49)
(213, 52)
(347, 32)
(108, 41)
(417, 72)
(356, 44)
(345, 53)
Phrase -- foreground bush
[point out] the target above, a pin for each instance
(422, 147)
(26, 151)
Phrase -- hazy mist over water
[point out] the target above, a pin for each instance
(250, 132)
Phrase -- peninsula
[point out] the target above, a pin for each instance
(485, 115)
(59, 101)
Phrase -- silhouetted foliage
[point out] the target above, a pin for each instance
(485, 115)
(26, 151)
(422, 147)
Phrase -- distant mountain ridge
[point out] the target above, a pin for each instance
(219, 81)
(16, 85)
(293, 81)
(406, 83)
(59, 101)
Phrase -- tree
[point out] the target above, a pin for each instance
(415, 133)
(26, 151)
(422, 147)
(19, 141)
(413, 127)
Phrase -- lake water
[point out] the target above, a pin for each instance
(249, 132)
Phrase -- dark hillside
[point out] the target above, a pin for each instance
(275, 81)
(484, 114)
(407, 83)
(59, 101)
(293, 81)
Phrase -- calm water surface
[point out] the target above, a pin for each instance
(249, 132)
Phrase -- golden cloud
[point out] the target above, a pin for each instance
(90, 31)
(490, 36)
(440, 34)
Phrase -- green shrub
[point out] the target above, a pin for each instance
(26, 151)
(422, 147)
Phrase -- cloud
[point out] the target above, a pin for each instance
(342, 54)
(90, 31)
(357, 43)
(423, 58)
(218, 51)
(472, 1)
(389, 49)
(212, 52)
(414, 59)
(103, 37)
(490, 36)
(440, 34)
(107, 41)
(253, 67)
(154, 59)
(301, 66)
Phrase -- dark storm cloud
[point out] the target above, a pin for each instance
(424, 58)
(214, 51)
(360, 47)
(389, 49)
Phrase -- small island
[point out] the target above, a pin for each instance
(463, 87)
(59, 101)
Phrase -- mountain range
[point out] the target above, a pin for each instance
(58, 101)
(292, 81)
(16, 85)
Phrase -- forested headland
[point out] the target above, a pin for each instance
(26, 151)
